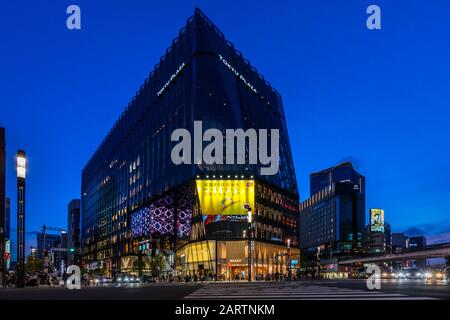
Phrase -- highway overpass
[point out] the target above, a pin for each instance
(428, 252)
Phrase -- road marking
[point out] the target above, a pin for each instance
(291, 292)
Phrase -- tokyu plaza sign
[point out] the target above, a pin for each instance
(237, 74)
(225, 62)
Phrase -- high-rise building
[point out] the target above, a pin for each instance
(7, 231)
(378, 233)
(61, 256)
(330, 219)
(7, 234)
(399, 241)
(343, 172)
(73, 232)
(417, 243)
(388, 236)
(377, 241)
(135, 199)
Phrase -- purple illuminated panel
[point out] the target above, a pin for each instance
(156, 219)
(184, 223)
(185, 203)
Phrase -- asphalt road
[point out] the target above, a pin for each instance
(417, 288)
(174, 291)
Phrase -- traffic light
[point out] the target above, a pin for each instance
(71, 250)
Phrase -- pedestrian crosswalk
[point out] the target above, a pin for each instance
(294, 291)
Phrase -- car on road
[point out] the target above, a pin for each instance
(125, 278)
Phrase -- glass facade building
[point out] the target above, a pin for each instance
(133, 194)
(343, 172)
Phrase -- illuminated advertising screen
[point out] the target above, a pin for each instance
(226, 199)
(377, 220)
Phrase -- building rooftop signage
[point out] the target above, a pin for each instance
(172, 77)
(240, 76)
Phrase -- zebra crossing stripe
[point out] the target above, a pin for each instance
(260, 292)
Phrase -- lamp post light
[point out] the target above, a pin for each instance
(318, 262)
(250, 249)
(21, 175)
(288, 260)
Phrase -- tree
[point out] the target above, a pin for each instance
(33, 265)
(158, 263)
(138, 265)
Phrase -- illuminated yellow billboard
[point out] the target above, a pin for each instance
(226, 197)
(377, 220)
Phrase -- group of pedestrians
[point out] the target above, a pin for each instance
(8, 280)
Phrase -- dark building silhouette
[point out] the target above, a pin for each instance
(74, 232)
(399, 241)
(7, 232)
(51, 241)
(135, 199)
(377, 241)
(417, 242)
(343, 172)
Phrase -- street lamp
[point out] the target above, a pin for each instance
(21, 175)
(318, 262)
(288, 260)
(250, 249)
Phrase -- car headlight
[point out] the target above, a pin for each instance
(119, 279)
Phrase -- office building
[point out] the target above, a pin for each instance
(136, 200)
(7, 234)
(378, 233)
(333, 218)
(417, 243)
(400, 242)
(343, 172)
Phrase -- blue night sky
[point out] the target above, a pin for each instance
(378, 98)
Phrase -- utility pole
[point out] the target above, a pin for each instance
(44, 248)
